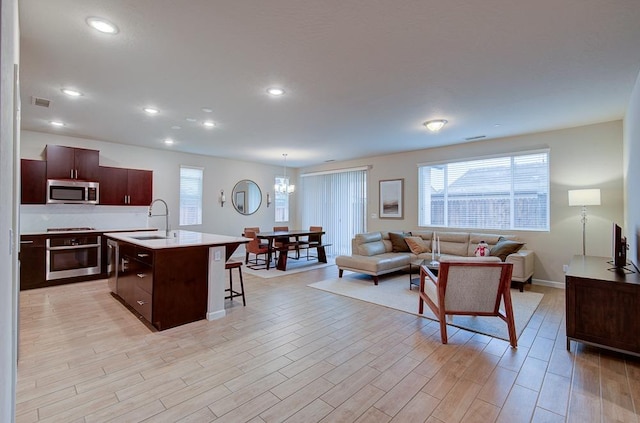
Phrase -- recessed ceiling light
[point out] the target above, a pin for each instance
(151, 110)
(209, 124)
(71, 92)
(276, 92)
(191, 120)
(102, 25)
(435, 125)
(176, 127)
(168, 141)
(207, 110)
(56, 123)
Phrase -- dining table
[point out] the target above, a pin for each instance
(286, 246)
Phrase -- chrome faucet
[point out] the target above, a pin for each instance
(166, 214)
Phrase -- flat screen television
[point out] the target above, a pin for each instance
(619, 247)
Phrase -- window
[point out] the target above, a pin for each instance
(282, 200)
(190, 195)
(510, 192)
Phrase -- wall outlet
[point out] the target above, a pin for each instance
(374, 215)
(217, 256)
(565, 268)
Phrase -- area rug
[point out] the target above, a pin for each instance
(393, 292)
(293, 266)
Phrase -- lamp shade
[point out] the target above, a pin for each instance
(584, 197)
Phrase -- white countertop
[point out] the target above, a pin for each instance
(176, 239)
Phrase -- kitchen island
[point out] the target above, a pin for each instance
(171, 280)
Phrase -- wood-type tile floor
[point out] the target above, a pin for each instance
(297, 354)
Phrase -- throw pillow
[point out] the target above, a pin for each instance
(417, 245)
(504, 247)
(398, 243)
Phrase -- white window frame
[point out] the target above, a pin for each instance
(281, 201)
(425, 192)
(189, 217)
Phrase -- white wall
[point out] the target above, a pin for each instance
(218, 174)
(9, 146)
(632, 173)
(587, 156)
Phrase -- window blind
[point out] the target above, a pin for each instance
(190, 195)
(509, 192)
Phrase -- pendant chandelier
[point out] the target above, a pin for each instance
(284, 187)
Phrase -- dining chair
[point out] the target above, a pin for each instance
(256, 248)
(313, 240)
(285, 244)
(473, 286)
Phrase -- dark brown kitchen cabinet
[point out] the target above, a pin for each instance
(32, 261)
(125, 187)
(167, 286)
(33, 184)
(72, 163)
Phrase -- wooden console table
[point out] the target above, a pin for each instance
(603, 305)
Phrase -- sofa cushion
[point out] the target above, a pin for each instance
(398, 242)
(417, 245)
(504, 247)
(453, 243)
(380, 263)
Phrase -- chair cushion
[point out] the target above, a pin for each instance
(398, 242)
(504, 247)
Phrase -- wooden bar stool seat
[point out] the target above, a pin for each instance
(232, 294)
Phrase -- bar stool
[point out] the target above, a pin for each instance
(234, 265)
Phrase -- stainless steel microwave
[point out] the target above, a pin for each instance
(72, 192)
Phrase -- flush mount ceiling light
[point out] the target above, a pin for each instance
(56, 123)
(151, 110)
(207, 110)
(191, 119)
(276, 92)
(168, 141)
(71, 92)
(209, 124)
(435, 125)
(102, 25)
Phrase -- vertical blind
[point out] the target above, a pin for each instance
(190, 195)
(510, 192)
(337, 202)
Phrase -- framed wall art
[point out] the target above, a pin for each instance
(392, 199)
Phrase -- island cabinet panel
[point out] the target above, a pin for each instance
(72, 163)
(125, 187)
(33, 184)
(180, 286)
(168, 287)
(602, 305)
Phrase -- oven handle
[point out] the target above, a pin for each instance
(73, 247)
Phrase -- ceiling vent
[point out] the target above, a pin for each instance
(478, 137)
(42, 102)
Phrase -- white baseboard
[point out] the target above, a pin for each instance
(552, 284)
(213, 315)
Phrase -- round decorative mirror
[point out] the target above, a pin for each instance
(246, 197)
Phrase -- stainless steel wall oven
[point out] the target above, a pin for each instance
(73, 255)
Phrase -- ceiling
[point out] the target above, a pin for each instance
(361, 76)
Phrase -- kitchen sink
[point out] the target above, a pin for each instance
(148, 237)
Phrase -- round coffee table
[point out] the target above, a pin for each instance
(434, 266)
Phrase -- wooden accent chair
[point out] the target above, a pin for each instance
(470, 286)
(256, 248)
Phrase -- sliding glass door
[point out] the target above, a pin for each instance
(336, 201)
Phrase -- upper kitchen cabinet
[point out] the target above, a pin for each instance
(33, 186)
(125, 187)
(72, 163)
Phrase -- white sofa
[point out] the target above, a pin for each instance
(372, 253)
